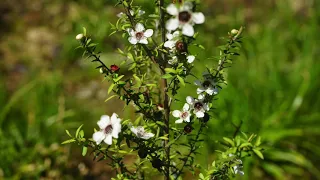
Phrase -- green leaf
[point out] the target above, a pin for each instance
(118, 78)
(81, 133)
(170, 70)
(258, 153)
(181, 80)
(68, 141)
(258, 141)
(84, 150)
(201, 176)
(111, 87)
(68, 133)
(228, 141)
(110, 97)
(84, 31)
(245, 145)
(78, 130)
(166, 76)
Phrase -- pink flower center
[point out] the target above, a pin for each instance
(184, 16)
(139, 35)
(184, 115)
(108, 129)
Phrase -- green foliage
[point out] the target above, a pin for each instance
(272, 87)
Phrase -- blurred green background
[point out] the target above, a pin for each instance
(46, 87)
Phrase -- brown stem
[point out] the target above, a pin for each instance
(166, 100)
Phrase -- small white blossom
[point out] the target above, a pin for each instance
(109, 127)
(139, 35)
(183, 115)
(173, 60)
(190, 59)
(183, 18)
(141, 133)
(172, 40)
(208, 86)
(79, 36)
(198, 105)
(237, 168)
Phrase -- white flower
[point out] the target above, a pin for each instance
(237, 168)
(183, 115)
(79, 36)
(173, 60)
(141, 133)
(198, 105)
(172, 40)
(184, 18)
(139, 35)
(190, 59)
(109, 127)
(207, 86)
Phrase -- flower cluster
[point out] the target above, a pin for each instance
(110, 127)
(199, 106)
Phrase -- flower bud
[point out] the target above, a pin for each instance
(187, 129)
(79, 36)
(114, 68)
(156, 163)
(234, 32)
(143, 153)
(101, 70)
(181, 46)
(206, 117)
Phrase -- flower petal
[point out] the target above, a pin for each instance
(176, 34)
(133, 40)
(199, 114)
(198, 18)
(134, 130)
(147, 135)
(104, 121)
(114, 119)
(186, 107)
(190, 100)
(108, 139)
(172, 24)
(200, 90)
(176, 113)
(116, 130)
(98, 137)
(131, 32)
(148, 33)
(187, 119)
(179, 121)
(172, 10)
(187, 29)
(143, 40)
(187, 6)
(190, 58)
(139, 27)
(169, 44)
(210, 91)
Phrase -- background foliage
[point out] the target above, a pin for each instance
(45, 86)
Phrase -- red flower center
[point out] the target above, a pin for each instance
(198, 105)
(180, 46)
(139, 35)
(184, 16)
(108, 129)
(184, 115)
